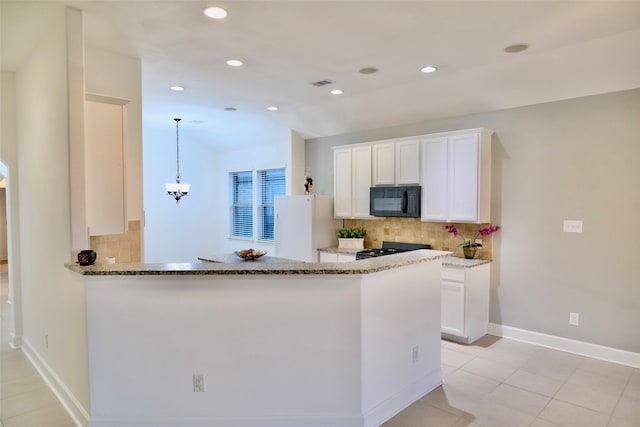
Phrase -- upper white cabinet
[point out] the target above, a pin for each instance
(384, 164)
(408, 162)
(456, 176)
(351, 181)
(105, 143)
(396, 163)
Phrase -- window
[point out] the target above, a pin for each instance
(269, 184)
(242, 204)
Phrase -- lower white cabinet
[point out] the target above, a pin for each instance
(336, 257)
(465, 302)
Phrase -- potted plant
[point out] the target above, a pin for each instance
(469, 246)
(351, 238)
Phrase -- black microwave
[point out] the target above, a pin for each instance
(395, 201)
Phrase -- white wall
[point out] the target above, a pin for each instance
(180, 232)
(574, 159)
(199, 224)
(119, 76)
(4, 253)
(53, 305)
(273, 156)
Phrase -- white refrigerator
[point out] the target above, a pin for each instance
(302, 225)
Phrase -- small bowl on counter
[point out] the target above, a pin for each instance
(250, 254)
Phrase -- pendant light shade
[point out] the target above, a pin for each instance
(176, 189)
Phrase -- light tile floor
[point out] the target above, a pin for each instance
(496, 382)
(493, 383)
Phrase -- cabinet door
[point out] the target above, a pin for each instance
(361, 172)
(434, 179)
(105, 173)
(384, 164)
(328, 257)
(342, 182)
(407, 168)
(463, 177)
(346, 257)
(453, 308)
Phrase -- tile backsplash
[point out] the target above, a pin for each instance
(125, 247)
(413, 230)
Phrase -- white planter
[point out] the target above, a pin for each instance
(350, 243)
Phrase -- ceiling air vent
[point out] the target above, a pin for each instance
(321, 83)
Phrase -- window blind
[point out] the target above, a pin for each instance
(271, 183)
(242, 204)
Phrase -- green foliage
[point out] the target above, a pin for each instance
(351, 233)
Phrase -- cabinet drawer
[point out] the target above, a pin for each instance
(453, 274)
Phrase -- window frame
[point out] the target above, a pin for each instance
(262, 200)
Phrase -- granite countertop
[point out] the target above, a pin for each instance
(457, 262)
(335, 250)
(263, 265)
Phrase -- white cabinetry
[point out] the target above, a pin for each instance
(326, 256)
(396, 163)
(105, 147)
(456, 176)
(408, 162)
(384, 164)
(465, 302)
(351, 181)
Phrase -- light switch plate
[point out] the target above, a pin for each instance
(572, 226)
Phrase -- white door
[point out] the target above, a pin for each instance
(342, 182)
(463, 176)
(434, 179)
(361, 163)
(293, 229)
(407, 162)
(453, 308)
(105, 171)
(384, 164)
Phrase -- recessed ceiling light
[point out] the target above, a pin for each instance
(368, 70)
(337, 92)
(215, 12)
(234, 63)
(177, 88)
(230, 109)
(429, 69)
(272, 108)
(515, 48)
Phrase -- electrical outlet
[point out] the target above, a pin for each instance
(574, 319)
(198, 382)
(572, 226)
(415, 354)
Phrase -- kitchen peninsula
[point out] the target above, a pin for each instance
(278, 342)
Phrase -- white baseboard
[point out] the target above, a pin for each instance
(582, 348)
(58, 387)
(16, 341)
(228, 422)
(392, 406)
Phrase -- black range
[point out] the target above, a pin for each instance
(390, 248)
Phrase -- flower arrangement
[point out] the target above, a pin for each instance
(471, 243)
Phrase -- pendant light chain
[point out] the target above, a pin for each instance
(177, 190)
(177, 152)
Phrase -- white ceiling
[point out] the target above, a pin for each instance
(578, 48)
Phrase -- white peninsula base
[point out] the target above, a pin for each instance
(276, 350)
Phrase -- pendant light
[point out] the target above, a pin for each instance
(177, 190)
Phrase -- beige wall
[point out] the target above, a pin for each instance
(574, 159)
(53, 304)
